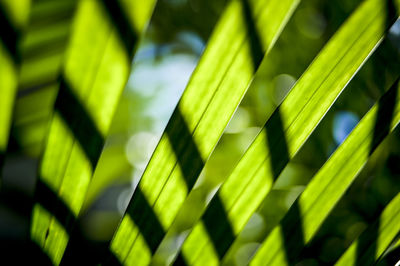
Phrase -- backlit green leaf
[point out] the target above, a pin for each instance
(376, 238)
(94, 72)
(246, 31)
(13, 16)
(309, 211)
(286, 131)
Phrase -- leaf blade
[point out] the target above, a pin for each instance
(299, 113)
(232, 59)
(94, 73)
(328, 185)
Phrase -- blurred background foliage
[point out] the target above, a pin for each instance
(167, 55)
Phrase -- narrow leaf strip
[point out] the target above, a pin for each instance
(43, 45)
(392, 254)
(246, 31)
(95, 70)
(304, 218)
(386, 53)
(373, 242)
(8, 87)
(286, 131)
(12, 20)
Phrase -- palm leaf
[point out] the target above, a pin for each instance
(392, 73)
(391, 255)
(306, 215)
(94, 72)
(375, 239)
(233, 55)
(8, 88)
(64, 65)
(13, 22)
(42, 48)
(286, 131)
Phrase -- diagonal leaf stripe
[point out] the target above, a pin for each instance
(94, 73)
(233, 54)
(9, 67)
(289, 127)
(42, 48)
(391, 254)
(381, 126)
(8, 87)
(64, 65)
(305, 217)
(387, 227)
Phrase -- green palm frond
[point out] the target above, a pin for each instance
(313, 206)
(369, 247)
(285, 133)
(93, 72)
(65, 64)
(193, 131)
(13, 19)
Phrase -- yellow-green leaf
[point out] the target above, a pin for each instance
(286, 131)
(373, 242)
(94, 72)
(245, 32)
(326, 188)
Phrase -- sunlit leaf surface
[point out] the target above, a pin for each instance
(94, 71)
(282, 150)
(234, 53)
(306, 215)
(376, 238)
(13, 18)
(286, 131)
